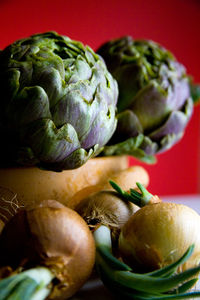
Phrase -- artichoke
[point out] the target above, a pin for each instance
(155, 102)
(58, 103)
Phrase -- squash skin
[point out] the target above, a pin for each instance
(33, 185)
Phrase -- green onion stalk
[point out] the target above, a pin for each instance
(159, 284)
(169, 281)
(33, 284)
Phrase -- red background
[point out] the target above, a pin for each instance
(173, 23)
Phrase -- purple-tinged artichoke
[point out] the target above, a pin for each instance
(155, 102)
(58, 103)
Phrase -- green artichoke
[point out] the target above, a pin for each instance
(155, 102)
(58, 103)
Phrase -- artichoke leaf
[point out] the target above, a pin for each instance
(50, 143)
(10, 83)
(128, 125)
(100, 129)
(168, 141)
(72, 161)
(52, 83)
(22, 112)
(195, 90)
(132, 146)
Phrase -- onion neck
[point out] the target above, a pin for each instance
(33, 284)
(140, 199)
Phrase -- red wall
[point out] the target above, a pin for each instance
(173, 23)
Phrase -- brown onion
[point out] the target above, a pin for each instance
(55, 237)
(102, 205)
(106, 208)
(1, 225)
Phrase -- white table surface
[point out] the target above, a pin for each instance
(190, 200)
(94, 289)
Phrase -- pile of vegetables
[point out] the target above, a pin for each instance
(158, 249)
(49, 251)
(61, 105)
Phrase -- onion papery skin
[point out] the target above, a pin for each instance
(1, 225)
(55, 237)
(159, 234)
(106, 208)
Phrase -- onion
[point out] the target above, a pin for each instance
(1, 225)
(106, 208)
(159, 250)
(56, 238)
(164, 283)
(159, 234)
(101, 205)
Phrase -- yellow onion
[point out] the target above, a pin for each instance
(159, 234)
(55, 237)
(148, 241)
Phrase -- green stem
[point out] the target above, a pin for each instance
(145, 195)
(150, 284)
(161, 284)
(125, 195)
(30, 285)
(140, 199)
(104, 248)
